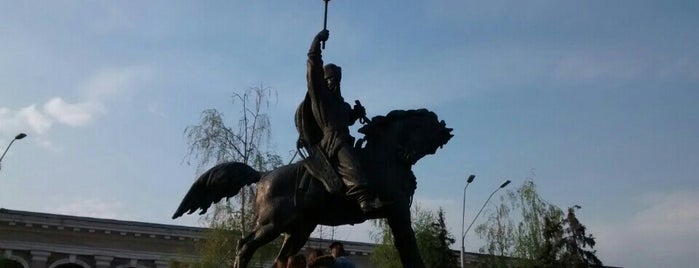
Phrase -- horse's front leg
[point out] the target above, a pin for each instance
(404, 238)
(295, 239)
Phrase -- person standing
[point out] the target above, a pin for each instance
(296, 261)
(338, 251)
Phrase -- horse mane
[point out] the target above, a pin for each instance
(378, 124)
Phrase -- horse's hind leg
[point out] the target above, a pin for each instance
(261, 235)
(244, 240)
(294, 241)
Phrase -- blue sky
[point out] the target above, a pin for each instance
(596, 99)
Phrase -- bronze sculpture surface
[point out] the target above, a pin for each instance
(394, 143)
(327, 132)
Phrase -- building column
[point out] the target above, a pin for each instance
(39, 258)
(161, 264)
(103, 261)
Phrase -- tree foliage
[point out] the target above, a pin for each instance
(384, 254)
(542, 237)
(211, 142)
(432, 237)
(498, 231)
(434, 241)
(576, 243)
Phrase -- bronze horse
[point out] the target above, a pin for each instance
(394, 143)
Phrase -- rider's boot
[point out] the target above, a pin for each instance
(365, 198)
(369, 204)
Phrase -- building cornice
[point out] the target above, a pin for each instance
(96, 225)
(78, 250)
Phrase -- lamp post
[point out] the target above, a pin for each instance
(463, 234)
(486, 202)
(18, 137)
(463, 213)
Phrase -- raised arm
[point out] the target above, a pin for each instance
(322, 36)
(314, 72)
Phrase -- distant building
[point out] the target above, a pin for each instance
(42, 240)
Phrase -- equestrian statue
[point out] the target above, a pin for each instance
(339, 181)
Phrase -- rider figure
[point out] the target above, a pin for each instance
(334, 116)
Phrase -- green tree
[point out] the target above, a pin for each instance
(498, 231)
(432, 237)
(542, 237)
(434, 241)
(529, 234)
(553, 242)
(576, 243)
(524, 240)
(384, 254)
(211, 142)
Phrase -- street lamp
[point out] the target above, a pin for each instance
(463, 234)
(486, 202)
(463, 213)
(18, 137)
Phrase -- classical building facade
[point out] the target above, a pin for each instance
(41, 240)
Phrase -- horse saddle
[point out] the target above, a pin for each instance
(319, 167)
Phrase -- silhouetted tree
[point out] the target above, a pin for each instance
(553, 243)
(576, 243)
(212, 142)
(433, 240)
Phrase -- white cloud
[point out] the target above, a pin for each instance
(591, 65)
(78, 114)
(98, 89)
(112, 82)
(665, 233)
(48, 145)
(9, 121)
(33, 118)
(672, 214)
(93, 208)
(157, 108)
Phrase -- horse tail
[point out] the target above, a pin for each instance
(222, 180)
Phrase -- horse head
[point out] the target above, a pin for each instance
(412, 133)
